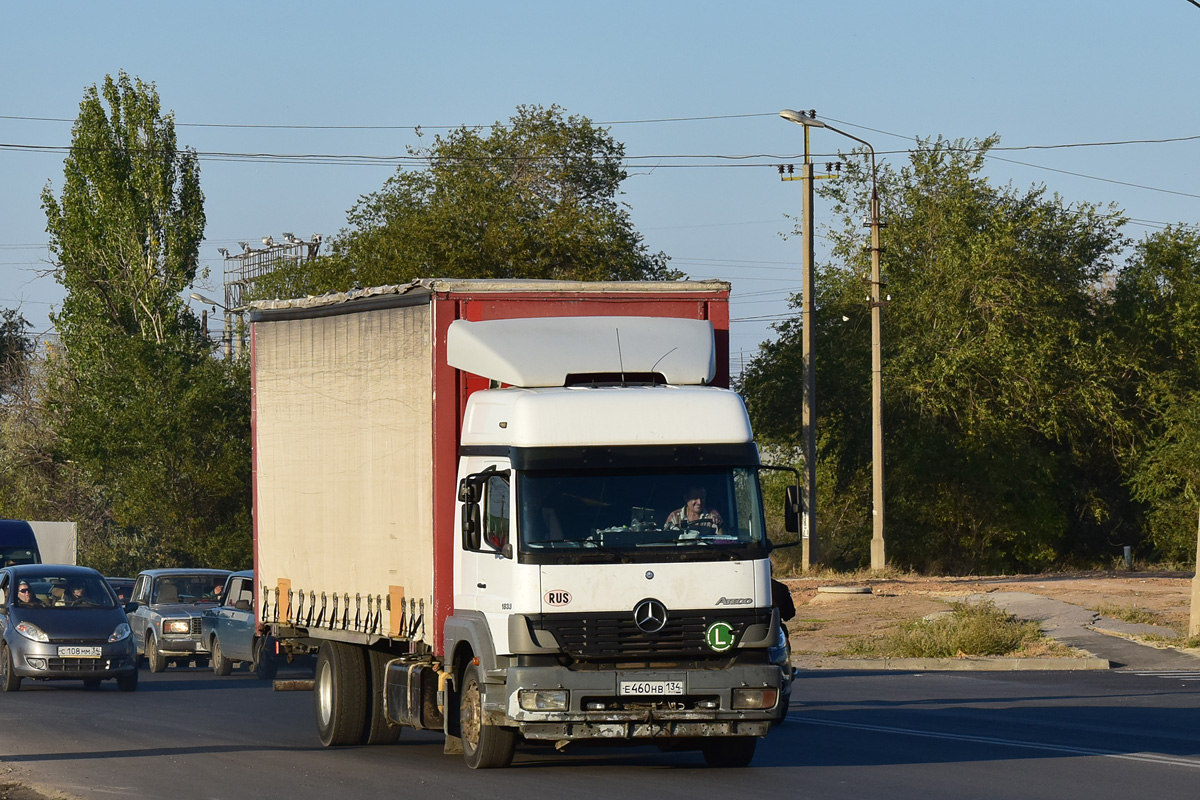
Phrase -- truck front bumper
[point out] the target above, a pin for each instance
(598, 705)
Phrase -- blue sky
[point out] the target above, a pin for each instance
(1037, 73)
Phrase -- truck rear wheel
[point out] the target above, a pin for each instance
(341, 694)
(484, 746)
(735, 751)
(378, 729)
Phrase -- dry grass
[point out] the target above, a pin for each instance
(1135, 614)
(968, 629)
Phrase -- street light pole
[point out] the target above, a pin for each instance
(878, 554)
(810, 552)
(227, 335)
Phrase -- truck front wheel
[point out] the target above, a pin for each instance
(484, 746)
(341, 694)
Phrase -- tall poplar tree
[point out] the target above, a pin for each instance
(156, 423)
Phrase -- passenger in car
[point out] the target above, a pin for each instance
(74, 595)
(26, 597)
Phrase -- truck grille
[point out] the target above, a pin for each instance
(618, 636)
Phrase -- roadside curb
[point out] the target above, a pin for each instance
(952, 664)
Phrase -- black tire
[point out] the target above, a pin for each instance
(735, 751)
(341, 694)
(91, 683)
(156, 660)
(128, 682)
(378, 729)
(9, 680)
(221, 665)
(265, 665)
(484, 746)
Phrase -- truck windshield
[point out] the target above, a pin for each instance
(640, 515)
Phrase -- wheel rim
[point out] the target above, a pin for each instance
(325, 695)
(217, 659)
(471, 714)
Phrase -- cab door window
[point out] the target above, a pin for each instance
(497, 511)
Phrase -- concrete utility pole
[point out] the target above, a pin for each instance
(1194, 620)
(878, 554)
(808, 415)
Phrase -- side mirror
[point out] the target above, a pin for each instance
(131, 606)
(469, 491)
(793, 507)
(472, 530)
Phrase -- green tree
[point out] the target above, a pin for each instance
(156, 425)
(1001, 413)
(536, 198)
(15, 349)
(1156, 308)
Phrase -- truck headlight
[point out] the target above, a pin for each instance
(746, 699)
(120, 632)
(177, 626)
(545, 699)
(31, 631)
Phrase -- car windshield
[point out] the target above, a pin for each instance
(679, 513)
(188, 589)
(12, 555)
(55, 590)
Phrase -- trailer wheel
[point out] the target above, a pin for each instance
(378, 730)
(341, 694)
(484, 746)
(734, 751)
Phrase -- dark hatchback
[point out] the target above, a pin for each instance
(61, 622)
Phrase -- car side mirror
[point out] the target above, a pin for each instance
(131, 606)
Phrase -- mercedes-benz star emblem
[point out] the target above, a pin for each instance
(650, 616)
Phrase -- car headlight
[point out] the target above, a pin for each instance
(120, 632)
(177, 626)
(31, 631)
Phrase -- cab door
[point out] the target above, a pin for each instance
(487, 561)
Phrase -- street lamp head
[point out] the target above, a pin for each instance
(800, 118)
(206, 300)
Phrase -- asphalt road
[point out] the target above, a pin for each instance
(186, 734)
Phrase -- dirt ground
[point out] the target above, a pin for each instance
(825, 621)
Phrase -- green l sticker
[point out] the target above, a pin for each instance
(719, 636)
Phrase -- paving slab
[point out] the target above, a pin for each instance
(1084, 629)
